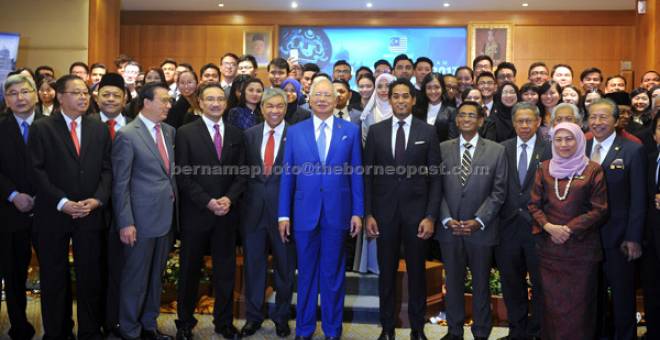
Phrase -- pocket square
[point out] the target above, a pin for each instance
(344, 137)
(617, 164)
(420, 142)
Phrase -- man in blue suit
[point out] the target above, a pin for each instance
(624, 164)
(326, 200)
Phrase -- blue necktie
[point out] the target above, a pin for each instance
(522, 164)
(320, 142)
(25, 130)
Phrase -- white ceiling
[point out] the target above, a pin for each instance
(378, 5)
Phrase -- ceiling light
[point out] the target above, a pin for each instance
(369, 5)
(294, 4)
(525, 4)
(221, 5)
(446, 4)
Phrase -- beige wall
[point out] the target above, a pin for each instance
(53, 32)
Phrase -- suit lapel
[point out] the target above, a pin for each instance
(613, 152)
(207, 141)
(512, 153)
(337, 133)
(311, 140)
(169, 144)
(17, 136)
(149, 141)
(84, 136)
(539, 146)
(478, 152)
(412, 138)
(388, 141)
(60, 125)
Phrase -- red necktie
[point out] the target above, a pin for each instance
(111, 126)
(161, 149)
(74, 137)
(269, 155)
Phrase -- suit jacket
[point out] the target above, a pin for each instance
(517, 198)
(418, 195)
(261, 196)
(15, 173)
(653, 214)
(59, 172)
(483, 194)
(194, 147)
(442, 123)
(297, 116)
(340, 195)
(143, 194)
(625, 172)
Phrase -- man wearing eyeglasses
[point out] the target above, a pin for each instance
(487, 86)
(342, 70)
(324, 202)
(17, 189)
(70, 154)
(474, 182)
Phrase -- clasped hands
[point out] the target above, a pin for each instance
(80, 209)
(558, 233)
(424, 229)
(463, 228)
(219, 206)
(23, 202)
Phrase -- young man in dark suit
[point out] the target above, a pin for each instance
(18, 189)
(264, 149)
(71, 158)
(206, 208)
(402, 208)
(516, 253)
(624, 163)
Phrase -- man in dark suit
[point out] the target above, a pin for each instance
(474, 182)
(651, 258)
(110, 98)
(323, 204)
(143, 197)
(71, 158)
(342, 70)
(624, 163)
(264, 149)
(516, 253)
(18, 189)
(343, 109)
(206, 214)
(402, 208)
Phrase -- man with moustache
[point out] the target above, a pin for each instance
(278, 70)
(402, 209)
(590, 79)
(110, 98)
(264, 149)
(17, 186)
(624, 163)
(516, 254)
(323, 204)
(343, 110)
(403, 67)
(143, 196)
(206, 209)
(474, 185)
(70, 154)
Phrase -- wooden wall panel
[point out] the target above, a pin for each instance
(104, 31)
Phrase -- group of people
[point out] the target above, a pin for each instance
(549, 181)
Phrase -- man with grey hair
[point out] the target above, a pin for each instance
(18, 192)
(324, 205)
(264, 148)
(516, 255)
(624, 165)
(566, 112)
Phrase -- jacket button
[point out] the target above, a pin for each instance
(520, 209)
(321, 189)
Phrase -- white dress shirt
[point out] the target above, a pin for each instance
(328, 131)
(120, 120)
(209, 126)
(489, 106)
(530, 149)
(346, 116)
(606, 145)
(406, 131)
(432, 113)
(151, 127)
(277, 136)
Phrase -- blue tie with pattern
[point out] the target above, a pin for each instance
(25, 130)
(320, 142)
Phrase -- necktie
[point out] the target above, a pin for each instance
(161, 149)
(111, 126)
(320, 142)
(74, 137)
(217, 140)
(466, 164)
(595, 155)
(522, 164)
(341, 114)
(269, 155)
(400, 144)
(25, 128)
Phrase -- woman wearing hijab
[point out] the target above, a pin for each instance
(568, 202)
(378, 108)
(499, 125)
(294, 112)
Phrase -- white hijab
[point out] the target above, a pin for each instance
(381, 108)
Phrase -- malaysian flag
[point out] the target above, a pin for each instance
(398, 44)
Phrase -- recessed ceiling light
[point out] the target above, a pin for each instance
(369, 5)
(221, 5)
(294, 4)
(525, 4)
(446, 4)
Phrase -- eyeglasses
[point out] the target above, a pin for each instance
(78, 93)
(215, 99)
(23, 93)
(539, 73)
